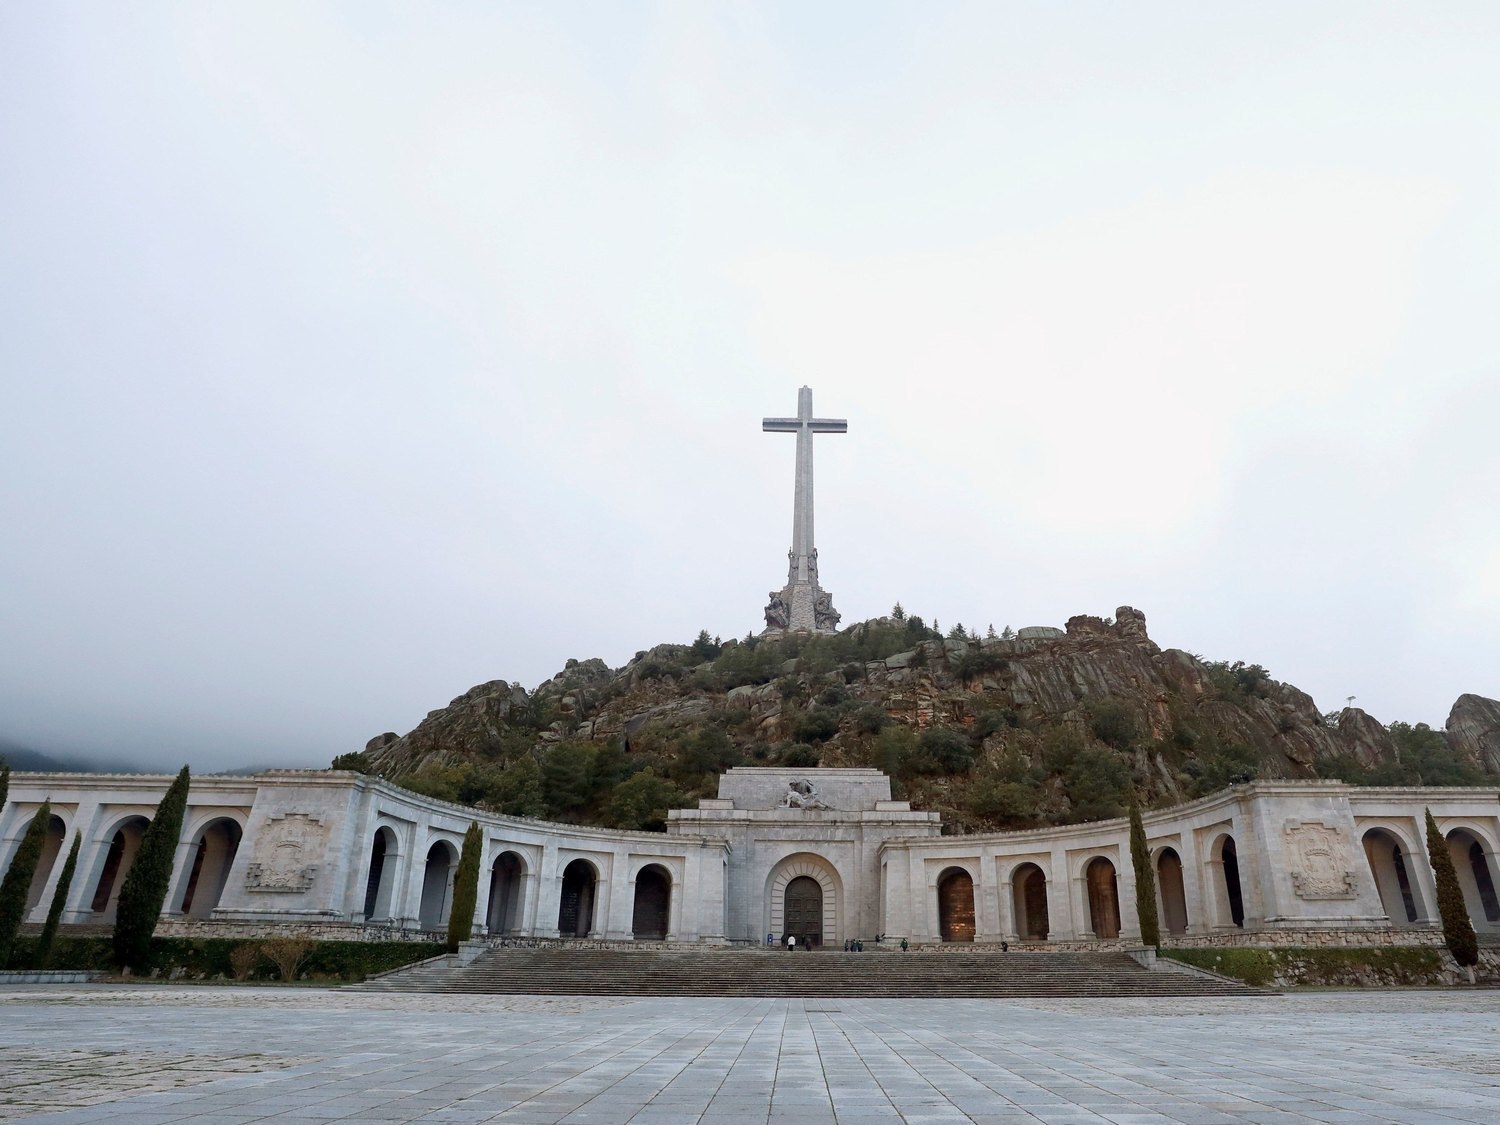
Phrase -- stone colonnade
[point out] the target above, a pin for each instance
(1255, 863)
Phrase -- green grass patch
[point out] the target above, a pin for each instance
(209, 958)
(1380, 967)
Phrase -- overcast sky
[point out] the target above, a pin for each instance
(351, 355)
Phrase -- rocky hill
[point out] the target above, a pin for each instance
(1044, 726)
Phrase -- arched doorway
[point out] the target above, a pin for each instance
(1227, 894)
(123, 845)
(1471, 861)
(575, 914)
(380, 883)
(52, 844)
(505, 893)
(212, 858)
(816, 919)
(1104, 898)
(1029, 886)
(955, 895)
(437, 886)
(1387, 860)
(653, 903)
(803, 910)
(1170, 888)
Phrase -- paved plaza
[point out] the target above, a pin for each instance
(232, 1054)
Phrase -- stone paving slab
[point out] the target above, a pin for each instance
(232, 1054)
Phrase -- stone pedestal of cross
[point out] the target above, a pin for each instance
(802, 605)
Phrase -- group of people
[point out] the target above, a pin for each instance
(851, 945)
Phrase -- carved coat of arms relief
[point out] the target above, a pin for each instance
(287, 854)
(1319, 855)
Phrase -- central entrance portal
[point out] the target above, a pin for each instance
(804, 911)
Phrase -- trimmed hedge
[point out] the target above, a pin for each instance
(1380, 967)
(208, 958)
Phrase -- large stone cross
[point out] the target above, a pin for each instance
(801, 605)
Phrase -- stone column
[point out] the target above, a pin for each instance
(617, 924)
(1195, 902)
(550, 896)
(1130, 915)
(1005, 898)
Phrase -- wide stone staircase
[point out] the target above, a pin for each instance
(611, 972)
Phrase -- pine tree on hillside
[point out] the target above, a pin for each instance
(17, 883)
(1145, 879)
(1458, 930)
(465, 889)
(59, 900)
(145, 887)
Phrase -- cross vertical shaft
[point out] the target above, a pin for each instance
(802, 605)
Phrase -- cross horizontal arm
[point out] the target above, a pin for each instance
(780, 425)
(829, 426)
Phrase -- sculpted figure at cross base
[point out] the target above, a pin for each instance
(823, 612)
(777, 614)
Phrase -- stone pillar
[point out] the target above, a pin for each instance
(1006, 900)
(1061, 916)
(1130, 915)
(1195, 902)
(550, 898)
(987, 925)
(529, 905)
(617, 921)
(182, 867)
(406, 912)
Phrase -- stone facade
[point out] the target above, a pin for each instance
(824, 853)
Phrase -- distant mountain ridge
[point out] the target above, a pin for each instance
(1045, 726)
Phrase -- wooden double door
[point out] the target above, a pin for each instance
(804, 911)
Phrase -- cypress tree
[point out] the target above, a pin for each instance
(59, 898)
(1458, 930)
(1145, 879)
(145, 887)
(465, 889)
(17, 883)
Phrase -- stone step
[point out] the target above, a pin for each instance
(682, 973)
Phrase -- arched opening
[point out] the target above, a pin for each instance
(1387, 862)
(437, 886)
(1104, 898)
(653, 903)
(505, 894)
(803, 910)
(380, 883)
(955, 894)
(1227, 894)
(816, 920)
(212, 858)
(1169, 887)
(575, 914)
(123, 846)
(1472, 862)
(1030, 891)
(52, 844)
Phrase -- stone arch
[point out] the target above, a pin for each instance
(113, 862)
(1029, 892)
(52, 845)
(380, 881)
(437, 886)
(1104, 898)
(1171, 892)
(955, 903)
(507, 876)
(1229, 898)
(652, 912)
(1389, 861)
(1471, 854)
(214, 847)
(575, 910)
(809, 866)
